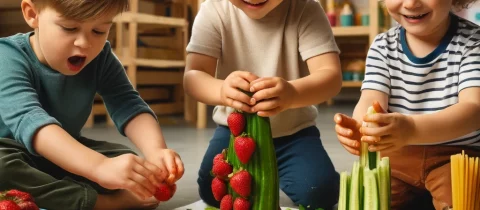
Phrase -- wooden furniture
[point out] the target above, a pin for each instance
(150, 40)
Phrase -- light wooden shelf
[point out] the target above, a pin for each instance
(351, 31)
(351, 84)
(129, 17)
(159, 78)
(156, 63)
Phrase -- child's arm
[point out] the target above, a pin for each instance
(200, 83)
(144, 132)
(323, 83)
(201, 64)
(134, 118)
(450, 123)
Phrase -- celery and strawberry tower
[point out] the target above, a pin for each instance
(368, 186)
(246, 174)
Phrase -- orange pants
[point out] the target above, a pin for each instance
(423, 171)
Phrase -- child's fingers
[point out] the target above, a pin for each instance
(139, 169)
(343, 131)
(247, 76)
(262, 83)
(269, 113)
(352, 150)
(348, 142)
(237, 95)
(346, 121)
(144, 184)
(265, 94)
(372, 131)
(380, 147)
(238, 105)
(180, 167)
(160, 172)
(266, 105)
(371, 139)
(378, 108)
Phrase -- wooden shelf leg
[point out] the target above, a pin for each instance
(90, 121)
(201, 115)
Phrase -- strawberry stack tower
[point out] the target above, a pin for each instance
(246, 174)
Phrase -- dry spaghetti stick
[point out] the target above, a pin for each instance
(470, 183)
(461, 195)
(477, 197)
(454, 174)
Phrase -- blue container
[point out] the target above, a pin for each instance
(346, 20)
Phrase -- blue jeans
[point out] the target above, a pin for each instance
(306, 172)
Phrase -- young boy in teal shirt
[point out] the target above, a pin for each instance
(48, 84)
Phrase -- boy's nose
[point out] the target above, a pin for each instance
(412, 4)
(82, 42)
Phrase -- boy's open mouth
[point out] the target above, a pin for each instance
(415, 17)
(75, 63)
(255, 4)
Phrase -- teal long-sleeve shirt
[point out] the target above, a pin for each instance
(33, 95)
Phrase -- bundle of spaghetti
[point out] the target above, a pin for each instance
(465, 182)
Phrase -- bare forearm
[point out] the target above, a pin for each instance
(316, 88)
(57, 146)
(453, 122)
(145, 133)
(203, 87)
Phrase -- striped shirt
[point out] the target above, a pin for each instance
(429, 84)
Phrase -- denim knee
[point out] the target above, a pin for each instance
(321, 192)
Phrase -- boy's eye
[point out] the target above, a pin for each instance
(68, 29)
(99, 32)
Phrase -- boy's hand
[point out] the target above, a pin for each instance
(169, 163)
(272, 95)
(348, 133)
(128, 172)
(396, 131)
(231, 95)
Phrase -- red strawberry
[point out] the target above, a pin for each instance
(244, 147)
(241, 183)
(218, 158)
(241, 204)
(20, 195)
(8, 205)
(222, 169)
(164, 192)
(28, 205)
(226, 203)
(219, 188)
(236, 123)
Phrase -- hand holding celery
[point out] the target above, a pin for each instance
(368, 187)
(386, 131)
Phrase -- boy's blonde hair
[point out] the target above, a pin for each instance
(82, 10)
(462, 4)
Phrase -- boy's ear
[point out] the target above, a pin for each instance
(30, 13)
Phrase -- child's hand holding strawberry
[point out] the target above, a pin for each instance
(272, 95)
(396, 131)
(169, 163)
(128, 172)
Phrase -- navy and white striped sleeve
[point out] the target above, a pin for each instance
(377, 75)
(469, 75)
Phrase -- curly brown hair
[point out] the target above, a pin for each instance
(462, 4)
(82, 10)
